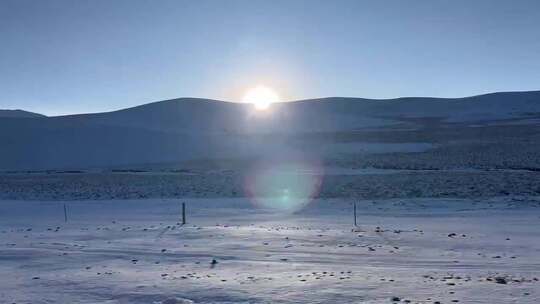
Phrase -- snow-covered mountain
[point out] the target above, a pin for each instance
(19, 114)
(190, 128)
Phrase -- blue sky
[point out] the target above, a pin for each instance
(60, 57)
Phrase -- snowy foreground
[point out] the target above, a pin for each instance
(406, 251)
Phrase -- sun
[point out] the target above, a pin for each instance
(261, 97)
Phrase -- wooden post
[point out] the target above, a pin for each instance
(183, 213)
(65, 213)
(354, 208)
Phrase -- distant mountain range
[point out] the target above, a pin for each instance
(19, 114)
(191, 128)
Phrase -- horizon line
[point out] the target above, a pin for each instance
(280, 102)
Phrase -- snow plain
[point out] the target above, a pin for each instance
(136, 251)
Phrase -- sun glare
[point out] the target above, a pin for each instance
(261, 97)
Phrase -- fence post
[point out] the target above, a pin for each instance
(183, 213)
(354, 208)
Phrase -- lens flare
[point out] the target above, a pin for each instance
(286, 186)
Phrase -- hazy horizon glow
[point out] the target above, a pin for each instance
(261, 97)
(66, 56)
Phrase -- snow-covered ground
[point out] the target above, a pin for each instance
(135, 251)
(335, 182)
(447, 190)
